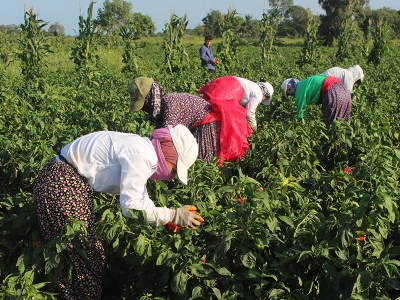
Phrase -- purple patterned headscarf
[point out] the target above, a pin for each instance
(153, 103)
(292, 84)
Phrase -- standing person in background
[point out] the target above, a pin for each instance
(115, 163)
(320, 89)
(249, 94)
(221, 130)
(206, 55)
(349, 77)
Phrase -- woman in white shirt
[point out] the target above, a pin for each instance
(349, 77)
(116, 163)
(249, 94)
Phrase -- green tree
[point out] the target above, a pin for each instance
(10, 29)
(212, 23)
(336, 11)
(199, 30)
(56, 29)
(250, 27)
(295, 22)
(387, 15)
(281, 6)
(143, 24)
(113, 15)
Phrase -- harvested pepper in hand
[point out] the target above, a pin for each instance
(173, 228)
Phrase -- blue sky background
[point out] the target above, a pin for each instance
(67, 12)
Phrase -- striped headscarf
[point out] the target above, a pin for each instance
(264, 89)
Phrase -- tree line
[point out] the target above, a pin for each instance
(292, 20)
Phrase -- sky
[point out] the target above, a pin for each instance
(67, 12)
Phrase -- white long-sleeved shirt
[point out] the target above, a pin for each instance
(118, 163)
(347, 76)
(251, 98)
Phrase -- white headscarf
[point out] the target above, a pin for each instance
(357, 72)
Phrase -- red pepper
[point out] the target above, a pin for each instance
(172, 228)
(204, 262)
(219, 284)
(241, 201)
(347, 170)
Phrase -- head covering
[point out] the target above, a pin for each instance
(267, 91)
(165, 150)
(153, 103)
(292, 83)
(138, 89)
(169, 150)
(187, 149)
(358, 73)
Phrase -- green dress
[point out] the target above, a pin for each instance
(308, 91)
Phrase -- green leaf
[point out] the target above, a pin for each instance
(287, 220)
(139, 245)
(162, 200)
(389, 204)
(178, 242)
(197, 292)
(178, 283)
(394, 251)
(393, 283)
(78, 247)
(199, 270)
(20, 263)
(248, 259)
(303, 255)
(330, 269)
(223, 271)
(164, 257)
(52, 263)
(115, 243)
(40, 285)
(61, 246)
(364, 280)
(272, 223)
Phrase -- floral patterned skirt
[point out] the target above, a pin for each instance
(336, 104)
(207, 137)
(62, 194)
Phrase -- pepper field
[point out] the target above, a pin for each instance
(308, 213)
